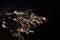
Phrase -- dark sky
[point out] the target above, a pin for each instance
(4, 4)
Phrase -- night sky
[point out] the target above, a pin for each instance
(22, 4)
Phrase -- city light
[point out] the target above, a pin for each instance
(24, 22)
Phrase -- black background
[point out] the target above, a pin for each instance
(50, 11)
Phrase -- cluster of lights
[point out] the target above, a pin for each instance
(32, 18)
